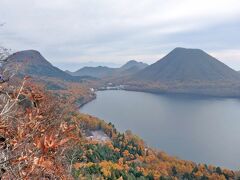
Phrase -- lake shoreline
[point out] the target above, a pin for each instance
(175, 93)
(203, 115)
(164, 93)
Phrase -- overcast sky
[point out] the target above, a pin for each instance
(110, 32)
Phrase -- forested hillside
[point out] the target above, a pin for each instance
(31, 62)
(188, 65)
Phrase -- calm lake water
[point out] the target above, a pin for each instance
(200, 129)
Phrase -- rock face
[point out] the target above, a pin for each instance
(31, 62)
(186, 65)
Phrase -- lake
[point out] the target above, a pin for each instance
(201, 129)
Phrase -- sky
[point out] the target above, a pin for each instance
(73, 33)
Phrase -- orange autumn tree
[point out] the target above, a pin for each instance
(36, 130)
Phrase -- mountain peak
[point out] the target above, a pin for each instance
(33, 51)
(28, 57)
(186, 49)
(29, 52)
(181, 50)
(31, 62)
(183, 64)
(132, 61)
(134, 64)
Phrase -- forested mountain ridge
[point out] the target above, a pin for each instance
(186, 71)
(184, 65)
(102, 72)
(98, 72)
(31, 62)
(190, 71)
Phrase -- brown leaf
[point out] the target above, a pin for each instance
(63, 141)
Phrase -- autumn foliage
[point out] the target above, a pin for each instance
(44, 136)
(36, 130)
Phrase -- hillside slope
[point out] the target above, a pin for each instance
(46, 137)
(186, 71)
(31, 62)
(188, 65)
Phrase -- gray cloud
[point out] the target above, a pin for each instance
(77, 31)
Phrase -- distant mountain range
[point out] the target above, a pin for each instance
(132, 64)
(129, 68)
(99, 72)
(181, 71)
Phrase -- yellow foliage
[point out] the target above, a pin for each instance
(108, 166)
(216, 176)
(198, 174)
(126, 153)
